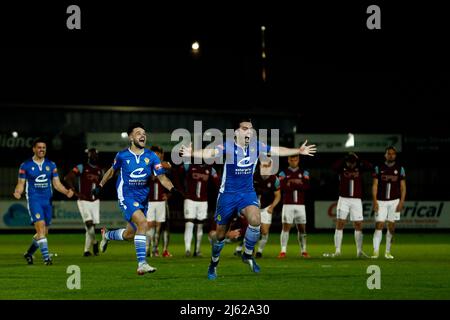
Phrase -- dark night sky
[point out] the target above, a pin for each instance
(318, 59)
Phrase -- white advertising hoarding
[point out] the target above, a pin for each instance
(415, 215)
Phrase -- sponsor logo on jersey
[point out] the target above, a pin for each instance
(244, 162)
(41, 179)
(136, 174)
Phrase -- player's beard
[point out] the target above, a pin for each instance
(138, 145)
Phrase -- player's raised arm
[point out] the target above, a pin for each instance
(19, 188)
(186, 151)
(60, 188)
(304, 150)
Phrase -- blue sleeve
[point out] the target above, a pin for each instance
(402, 172)
(156, 165)
(282, 174)
(117, 162)
(22, 171)
(213, 172)
(54, 170)
(277, 183)
(80, 168)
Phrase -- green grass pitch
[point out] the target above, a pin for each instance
(421, 270)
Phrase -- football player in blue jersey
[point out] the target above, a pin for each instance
(237, 194)
(135, 165)
(37, 176)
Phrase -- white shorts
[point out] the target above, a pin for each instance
(195, 209)
(387, 211)
(156, 211)
(293, 213)
(349, 205)
(266, 217)
(89, 210)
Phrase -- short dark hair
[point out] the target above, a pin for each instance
(133, 126)
(390, 148)
(38, 140)
(237, 122)
(156, 148)
(351, 157)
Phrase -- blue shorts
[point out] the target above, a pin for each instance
(129, 206)
(40, 210)
(230, 203)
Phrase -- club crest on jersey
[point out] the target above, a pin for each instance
(147, 160)
(219, 217)
(32, 168)
(136, 204)
(37, 215)
(299, 175)
(395, 172)
(269, 185)
(207, 171)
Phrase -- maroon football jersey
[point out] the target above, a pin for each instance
(196, 178)
(350, 179)
(157, 190)
(293, 184)
(265, 188)
(89, 177)
(389, 181)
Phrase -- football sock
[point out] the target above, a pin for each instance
(166, 237)
(389, 237)
(115, 234)
(33, 247)
(338, 234)
(199, 236)
(358, 240)
(216, 248)
(302, 241)
(377, 237)
(251, 237)
(284, 237)
(189, 228)
(43, 245)
(139, 243)
(263, 242)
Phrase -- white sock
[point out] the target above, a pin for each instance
(166, 239)
(263, 242)
(199, 236)
(88, 240)
(389, 237)
(188, 229)
(150, 237)
(284, 238)
(338, 234)
(301, 237)
(239, 247)
(377, 237)
(358, 240)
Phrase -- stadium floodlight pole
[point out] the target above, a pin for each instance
(263, 53)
